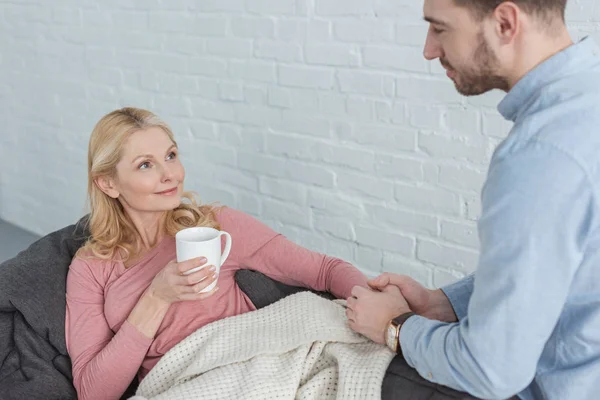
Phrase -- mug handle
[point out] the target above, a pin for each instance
(227, 246)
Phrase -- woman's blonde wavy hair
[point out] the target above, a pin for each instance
(112, 233)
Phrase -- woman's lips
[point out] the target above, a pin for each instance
(169, 192)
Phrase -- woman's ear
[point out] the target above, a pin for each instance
(107, 185)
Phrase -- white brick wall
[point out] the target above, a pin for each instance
(320, 117)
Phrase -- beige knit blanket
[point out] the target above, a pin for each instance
(297, 348)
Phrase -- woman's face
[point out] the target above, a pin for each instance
(149, 174)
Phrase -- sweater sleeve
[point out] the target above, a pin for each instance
(104, 363)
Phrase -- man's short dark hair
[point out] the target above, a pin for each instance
(547, 9)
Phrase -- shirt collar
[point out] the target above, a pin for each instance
(565, 61)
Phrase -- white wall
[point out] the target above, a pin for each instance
(320, 117)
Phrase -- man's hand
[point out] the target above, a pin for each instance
(370, 311)
(432, 304)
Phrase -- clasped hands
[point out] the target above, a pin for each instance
(369, 310)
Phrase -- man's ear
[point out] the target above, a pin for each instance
(107, 185)
(508, 18)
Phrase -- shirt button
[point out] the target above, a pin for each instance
(429, 376)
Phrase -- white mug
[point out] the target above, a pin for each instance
(202, 242)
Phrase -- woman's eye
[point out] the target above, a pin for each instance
(172, 155)
(437, 31)
(144, 165)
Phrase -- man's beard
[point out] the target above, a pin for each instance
(483, 77)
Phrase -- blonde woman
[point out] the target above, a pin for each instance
(128, 301)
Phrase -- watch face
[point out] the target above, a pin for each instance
(390, 337)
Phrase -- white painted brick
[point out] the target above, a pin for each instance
(489, 99)
(335, 203)
(319, 108)
(274, 50)
(332, 104)
(495, 125)
(301, 123)
(380, 239)
(360, 109)
(271, 7)
(365, 185)
(403, 221)
(240, 48)
(442, 277)
(304, 99)
(212, 111)
(253, 27)
(369, 258)
(345, 157)
(294, 30)
(174, 105)
(363, 31)
(257, 96)
(253, 139)
(256, 115)
(261, 164)
(321, 78)
(231, 91)
(425, 117)
(336, 227)
(207, 66)
(462, 121)
(249, 203)
(427, 199)
(446, 255)
(237, 178)
(208, 26)
(411, 35)
(332, 54)
(398, 167)
(202, 129)
(369, 83)
(310, 174)
(463, 178)
(404, 266)
(450, 147)
(253, 71)
(287, 213)
(395, 57)
(279, 97)
(211, 194)
(344, 8)
(472, 207)
(219, 5)
(299, 147)
(283, 190)
(431, 173)
(462, 233)
(427, 90)
(168, 21)
(208, 152)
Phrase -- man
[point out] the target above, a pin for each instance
(528, 321)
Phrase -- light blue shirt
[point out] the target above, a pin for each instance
(529, 318)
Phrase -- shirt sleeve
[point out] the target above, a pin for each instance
(289, 263)
(538, 207)
(104, 363)
(459, 293)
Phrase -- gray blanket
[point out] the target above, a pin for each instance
(34, 363)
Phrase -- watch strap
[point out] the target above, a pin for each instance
(399, 321)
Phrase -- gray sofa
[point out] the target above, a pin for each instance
(34, 359)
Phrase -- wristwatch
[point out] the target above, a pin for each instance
(392, 333)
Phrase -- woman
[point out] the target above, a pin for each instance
(128, 301)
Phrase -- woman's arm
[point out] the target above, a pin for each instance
(292, 264)
(104, 363)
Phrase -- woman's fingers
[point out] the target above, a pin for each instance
(196, 277)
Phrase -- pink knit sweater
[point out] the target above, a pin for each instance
(107, 352)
